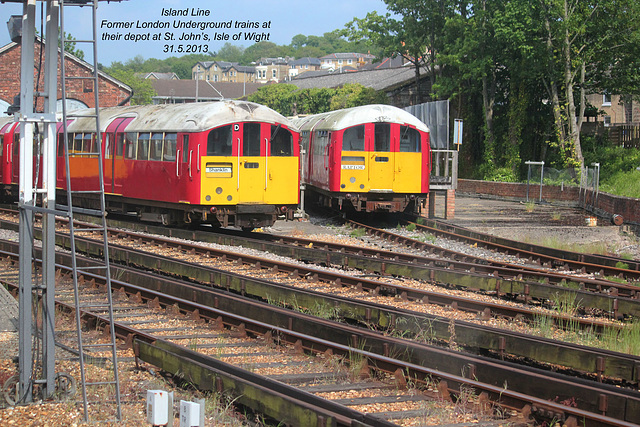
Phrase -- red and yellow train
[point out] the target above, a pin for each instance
(227, 163)
(373, 158)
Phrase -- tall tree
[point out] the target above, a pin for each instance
(415, 35)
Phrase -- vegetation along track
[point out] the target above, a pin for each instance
(394, 362)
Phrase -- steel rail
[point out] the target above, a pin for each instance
(591, 262)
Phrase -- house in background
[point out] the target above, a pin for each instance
(158, 76)
(272, 70)
(223, 71)
(338, 60)
(303, 65)
(616, 116)
(79, 92)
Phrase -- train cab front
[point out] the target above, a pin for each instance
(251, 175)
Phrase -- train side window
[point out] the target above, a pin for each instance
(185, 148)
(77, 142)
(143, 146)
(382, 140)
(119, 144)
(251, 139)
(1, 144)
(155, 146)
(353, 139)
(170, 146)
(281, 141)
(131, 141)
(219, 141)
(409, 140)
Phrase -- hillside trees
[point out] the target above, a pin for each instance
(288, 100)
(517, 71)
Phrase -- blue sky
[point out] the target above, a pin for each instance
(287, 18)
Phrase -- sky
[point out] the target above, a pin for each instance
(276, 20)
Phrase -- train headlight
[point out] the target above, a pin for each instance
(213, 209)
(283, 209)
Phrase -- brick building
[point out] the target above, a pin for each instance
(79, 92)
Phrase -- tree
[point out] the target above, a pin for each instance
(416, 36)
(229, 52)
(142, 89)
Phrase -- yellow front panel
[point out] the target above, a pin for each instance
(282, 181)
(407, 173)
(249, 180)
(219, 180)
(354, 174)
(381, 170)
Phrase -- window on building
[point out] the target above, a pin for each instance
(274, 73)
(607, 120)
(606, 100)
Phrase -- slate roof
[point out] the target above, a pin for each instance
(186, 89)
(380, 79)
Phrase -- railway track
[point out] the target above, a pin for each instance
(600, 366)
(396, 360)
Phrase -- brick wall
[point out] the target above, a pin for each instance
(111, 93)
(605, 205)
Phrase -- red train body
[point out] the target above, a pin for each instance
(373, 158)
(228, 163)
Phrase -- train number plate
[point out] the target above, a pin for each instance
(353, 167)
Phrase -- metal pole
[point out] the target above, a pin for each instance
(49, 195)
(25, 354)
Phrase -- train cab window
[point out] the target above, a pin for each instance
(155, 146)
(1, 144)
(131, 141)
(185, 148)
(281, 142)
(251, 139)
(353, 139)
(119, 145)
(382, 139)
(219, 141)
(143, 146)
(170, 146)
(409, 140)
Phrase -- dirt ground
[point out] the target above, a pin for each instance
(545, 224)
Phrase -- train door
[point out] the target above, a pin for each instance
(114, 166)
(281, 166)
(6, 152)
(14, 156)
(409, 173)
(381, 157)
(251, 169)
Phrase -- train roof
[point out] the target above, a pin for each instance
(188, 117)
(342, 119)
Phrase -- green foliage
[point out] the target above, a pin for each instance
(288, 100)
(142, 89)
(500, 175)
